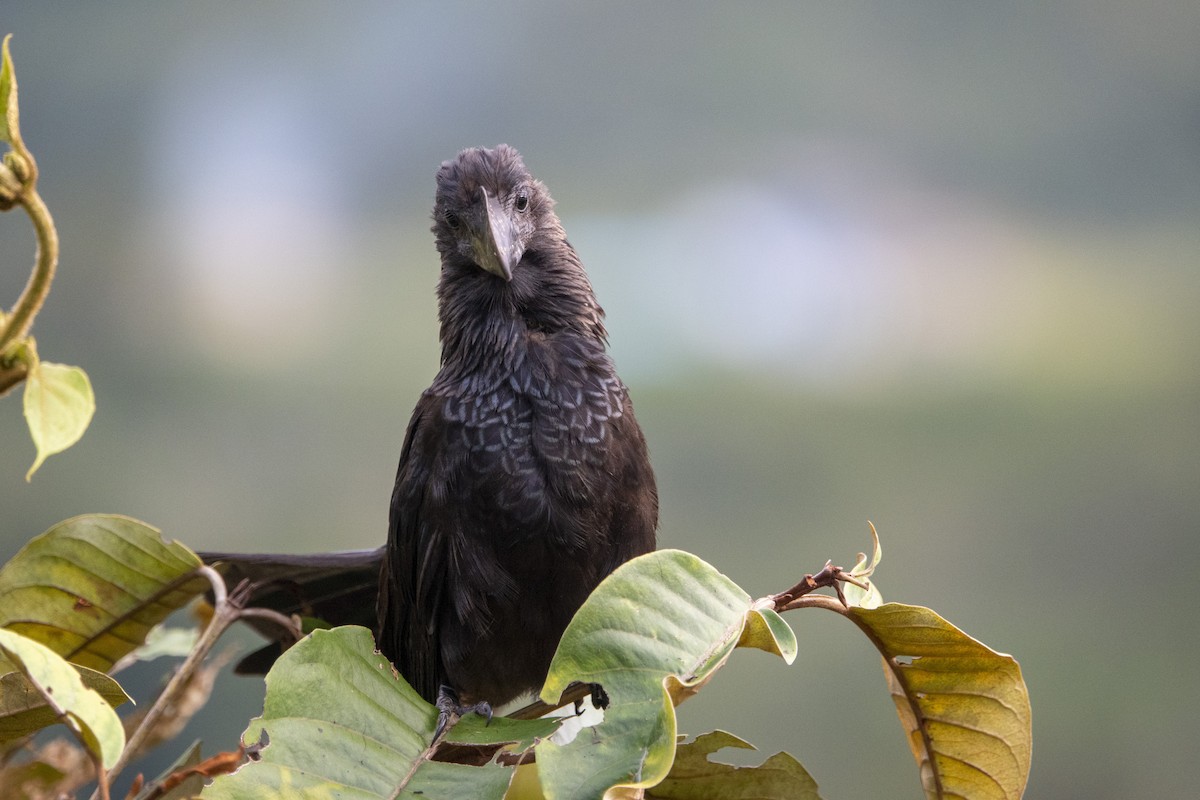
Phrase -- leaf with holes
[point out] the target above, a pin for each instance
(694, 776)
(653, 632)
(964, 706)
(92, 587)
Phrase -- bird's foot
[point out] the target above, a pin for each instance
(449, 709)
(599, 697)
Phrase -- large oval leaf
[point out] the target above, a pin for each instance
(964, 706)
(341, 723)
(653, 631)
(92, 587)
(92, 717)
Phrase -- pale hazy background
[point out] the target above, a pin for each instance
(931, 264)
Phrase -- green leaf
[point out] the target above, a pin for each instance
(10, 132)
(59, 405)
(695, 777)
(162, 642)
(652, 634)
(862, 571)
(341, 723)
(23, 710)
(92, 587)
(88, 714)
(766, 630)
(964, 706)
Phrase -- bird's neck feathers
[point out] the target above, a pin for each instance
(488, 324)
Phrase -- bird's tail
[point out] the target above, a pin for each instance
(338, 588)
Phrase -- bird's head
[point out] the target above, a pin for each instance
(489, 209)
(505, 257)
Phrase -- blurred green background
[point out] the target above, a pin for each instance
(932, 265)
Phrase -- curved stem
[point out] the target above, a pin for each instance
(12, 374)
(21, 318)
(819, 601)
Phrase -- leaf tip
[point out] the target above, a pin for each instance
(37, 463)
(8, 95)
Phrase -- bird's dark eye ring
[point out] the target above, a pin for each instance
(451, 219)
(522, 202)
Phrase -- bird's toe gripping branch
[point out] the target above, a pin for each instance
(449, 710)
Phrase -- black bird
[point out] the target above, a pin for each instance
(524, 477)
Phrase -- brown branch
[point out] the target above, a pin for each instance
(829, 577)
(537, 709)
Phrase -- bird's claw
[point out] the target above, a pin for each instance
(449, 709)
(483, 708)
(600, 699)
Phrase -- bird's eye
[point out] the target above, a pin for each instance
(522, 202)
(451, 220)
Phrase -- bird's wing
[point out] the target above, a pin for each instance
(634, 518)
(412, 576)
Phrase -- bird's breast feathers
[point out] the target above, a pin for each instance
(526, 422)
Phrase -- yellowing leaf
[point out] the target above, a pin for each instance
(88, 714)
(92, 587)
(694, 776)
(765, 630)
(58, 408)
(23, 710)
(964, 706)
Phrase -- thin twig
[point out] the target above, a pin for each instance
(225, 614)
(271, 615)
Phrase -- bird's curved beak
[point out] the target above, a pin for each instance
(498, 247)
